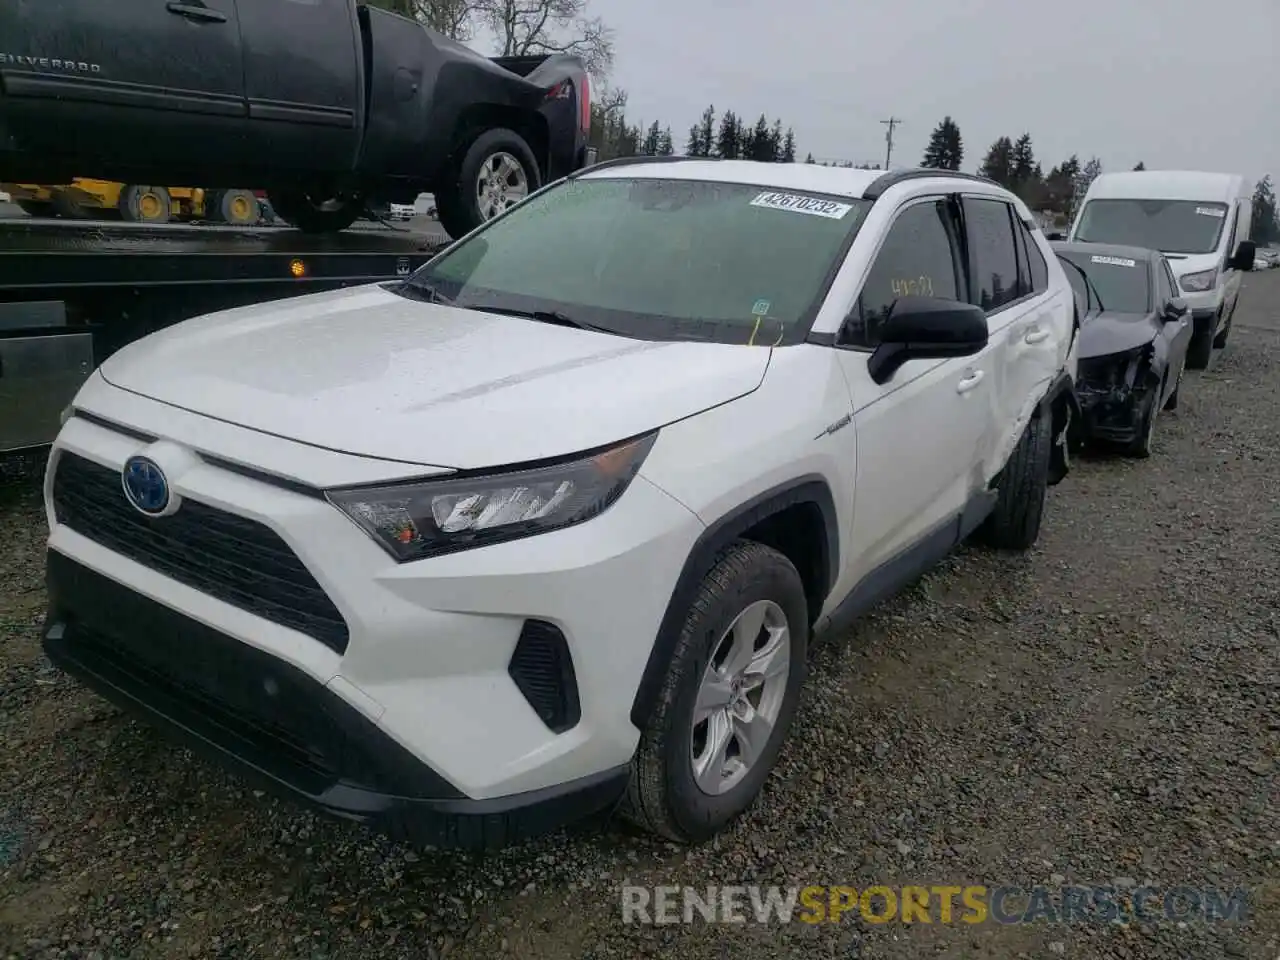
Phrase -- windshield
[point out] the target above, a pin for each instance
(656, 259)
(1170, 226)
(1119, 284)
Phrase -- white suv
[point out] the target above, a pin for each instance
(546, 528)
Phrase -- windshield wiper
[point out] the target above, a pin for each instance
(425, 291)
(554, 317)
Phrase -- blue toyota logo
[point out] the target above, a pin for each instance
(145, 485)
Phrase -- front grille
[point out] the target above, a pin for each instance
(234, 559)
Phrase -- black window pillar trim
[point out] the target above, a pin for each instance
(809, 488)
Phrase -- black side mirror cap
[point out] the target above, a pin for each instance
(1056, 235)
(1244, 256)
(1175, 309)
(919, 328)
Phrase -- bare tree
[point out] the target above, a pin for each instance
(549, 26)
(453, 18)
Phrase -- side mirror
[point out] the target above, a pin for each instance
(1056, 235)
(1244, 256)
(919, 328)
(1174, 310)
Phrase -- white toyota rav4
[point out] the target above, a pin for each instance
(546, 527)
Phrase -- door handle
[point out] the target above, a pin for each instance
(195, 11)
(969, 382)
(1036, 336)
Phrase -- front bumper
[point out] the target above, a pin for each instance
(1112, 407)
(408, 691)
(275, 725)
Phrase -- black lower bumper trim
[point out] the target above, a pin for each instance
(269, 722)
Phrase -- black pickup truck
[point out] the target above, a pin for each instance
(330, 105)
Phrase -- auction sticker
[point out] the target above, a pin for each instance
(1211, 212)
(798, 204)
(1114, 261)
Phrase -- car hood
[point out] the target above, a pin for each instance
(367, 372)
(1113, 332)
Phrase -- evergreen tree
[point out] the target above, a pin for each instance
(1266, 225)
(761, 142)
(743, 137)
(945, 150)
(707, 131)
(998, 165)
(665, 145)
(789, 147)
(1024, 160)
(727, 142)
(775, 142)
(652, 136)
(809, 159)
(693, 146)
(1140, 166)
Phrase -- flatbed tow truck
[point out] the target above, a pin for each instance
(74, 292)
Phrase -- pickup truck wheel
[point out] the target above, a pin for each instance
(497, 171)
(145, 204)
(238, 207)
(312, 214)
(1014, 524)
(728, 698)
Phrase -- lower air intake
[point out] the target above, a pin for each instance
(543, 672)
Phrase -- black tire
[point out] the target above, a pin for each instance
(1171, 403)
(238, 207)
(1200, 350)
(458, 198)
(312, 213)
(139, 204)
(1220, 340)
(36, 208)
(1140, 447)
(662, 795)
(1014, 524)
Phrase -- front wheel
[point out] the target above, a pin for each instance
(728, 698)
(496, 172)
(1014, 524)
(313, 213)
(1200, 350)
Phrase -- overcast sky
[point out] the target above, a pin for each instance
(1174, 83)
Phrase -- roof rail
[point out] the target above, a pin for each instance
(632, 161)
(892, 179)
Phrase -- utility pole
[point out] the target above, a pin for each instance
(891, 123)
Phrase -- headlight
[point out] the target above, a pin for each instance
(1199, 282)
(432, 517)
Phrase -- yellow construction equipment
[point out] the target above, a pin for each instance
(84, 198)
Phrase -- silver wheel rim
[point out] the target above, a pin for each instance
(502, 183)
(740, 697)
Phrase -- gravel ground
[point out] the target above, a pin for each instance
(1104, 708)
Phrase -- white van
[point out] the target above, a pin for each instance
(1200, 221)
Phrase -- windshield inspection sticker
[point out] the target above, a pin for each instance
(798, 204)
(1114, 261)
(1211, 212)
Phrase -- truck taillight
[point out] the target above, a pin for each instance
(584, 102)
